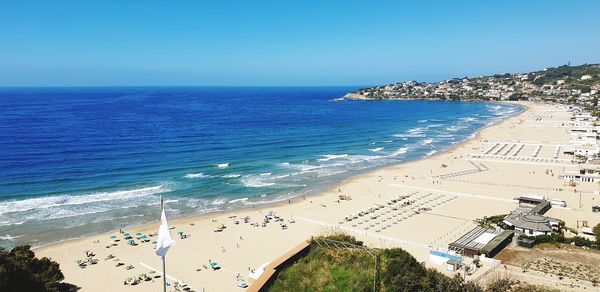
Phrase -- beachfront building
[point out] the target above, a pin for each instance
(531, 224)
(529, 200)
(534, 204)
(587, 233)
(582, 175)
(529, 218)
(480, 240)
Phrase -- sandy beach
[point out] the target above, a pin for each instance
(456, 187)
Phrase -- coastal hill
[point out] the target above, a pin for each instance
(565, 84)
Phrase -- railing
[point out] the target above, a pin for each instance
(273, 268)
(494, 266)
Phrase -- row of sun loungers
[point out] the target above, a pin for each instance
(491, 148)
(521, 158)
(383, 216)
(271, 216)
(478, 168)
(519, 149)
(500, 149)
(505, 149)
(537, 150)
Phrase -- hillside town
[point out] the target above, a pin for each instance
(564, 84)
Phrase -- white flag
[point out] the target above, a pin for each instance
(164, 237)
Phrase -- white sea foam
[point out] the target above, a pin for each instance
(494, 107)
(233, 175)
(218, 201)
(426, 141)
(302, 167)
(328, 157)
(238, 200)
(422, 121)
(66, 200)
(266, 174)
(223, 165)
(254, 181)
(431, 153)
(196, 175)
(400, 151)
(455, 128)
(353, 159)
(9, 237)
(415, 131)
(376, 149)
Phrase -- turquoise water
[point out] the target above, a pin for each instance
(77, 161)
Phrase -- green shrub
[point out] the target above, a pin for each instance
(596, 230)
(20, 270)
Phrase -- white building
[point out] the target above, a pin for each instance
(583, 175)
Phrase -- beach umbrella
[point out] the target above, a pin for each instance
(125, 234)
(180, 232)
(114, 236)
(138, 234)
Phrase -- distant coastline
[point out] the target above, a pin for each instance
(563, 84)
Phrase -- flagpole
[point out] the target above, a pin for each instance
(164, 276)
(162, 208)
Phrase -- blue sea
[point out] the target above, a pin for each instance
(77, 161)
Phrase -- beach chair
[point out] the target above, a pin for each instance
(214, 265)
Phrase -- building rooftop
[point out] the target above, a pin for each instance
(491, 245)
(475, 239)
(541, 208)
(529, 221)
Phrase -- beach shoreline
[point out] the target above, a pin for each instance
(313, 194)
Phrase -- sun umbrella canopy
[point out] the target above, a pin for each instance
(126, 234)
(139, 233)
(114, 236)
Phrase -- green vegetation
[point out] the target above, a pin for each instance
(560, 238)
(570, 74)
(596, 230)
(491, 222)
(20, 270)
(329, 269)
(351, 268)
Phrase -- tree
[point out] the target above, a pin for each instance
(402, 271)
(596, 230)
(20, 270)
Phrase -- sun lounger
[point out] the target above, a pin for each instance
(242, 285)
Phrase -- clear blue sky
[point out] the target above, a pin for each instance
(252, 42)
